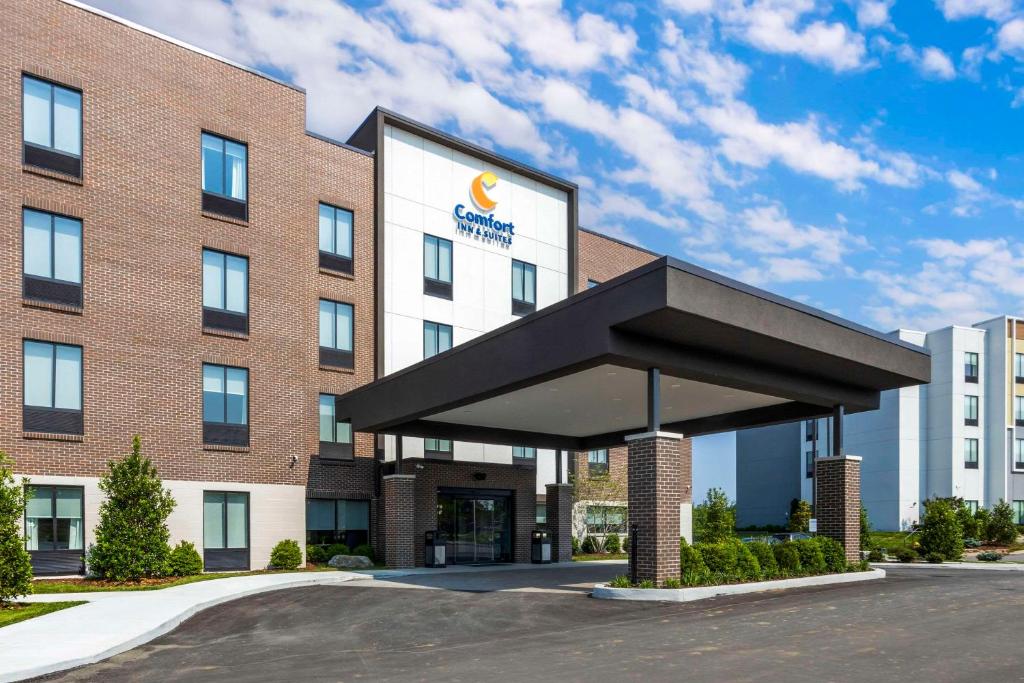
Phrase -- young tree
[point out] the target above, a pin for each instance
(132, 536)
(799, 515)
(718, 517)
(865, 529)
(940, 530)
(15, 567)
(1001, 529)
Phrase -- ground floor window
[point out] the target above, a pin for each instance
(542, 513)
(225, 530)
(331, 520)
(54, 528)
(972, 505)
(1018, 511)
(606, 519)
(437, 448)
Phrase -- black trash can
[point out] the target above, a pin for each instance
(434, 549)
(540, 547)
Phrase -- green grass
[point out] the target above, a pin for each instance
(21, 611)
(600, 556)
(893, 540)
(93, 586)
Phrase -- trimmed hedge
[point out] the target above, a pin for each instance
(765, 559)
(733, 561)
(286, 555)
(185, 560)
(788, 559)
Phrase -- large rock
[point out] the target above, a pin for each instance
(350, 562)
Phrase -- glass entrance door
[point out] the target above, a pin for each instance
(477, 524)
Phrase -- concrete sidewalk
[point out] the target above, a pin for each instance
(114, 622)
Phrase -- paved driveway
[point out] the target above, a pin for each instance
(920, 624)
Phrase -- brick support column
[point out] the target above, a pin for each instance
(655, 494)
(399, 520)
(559, 514)
(838, 501)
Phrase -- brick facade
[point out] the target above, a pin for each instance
(559, 521)
(603, 258)
(655, 494)
(838, 502)
(400, 515)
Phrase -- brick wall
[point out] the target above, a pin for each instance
(655, 493)
(400, 511)
(602, 258)
(838, 502)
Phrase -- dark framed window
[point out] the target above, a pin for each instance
(524, 288)
(971, 454)
(225, 176)
(810, 430)
(1018, 368)
(225, 291)
(51, 126)
(225, 531)
(606, 519)
(51, 257)
(524, 454)
(597, 462)
(225, 405)
(437, 267)
(439, 449)
(336, 238)
(971, 505)
(542, 513)
(331, 520)
(971, 411)
(336, 332)
(437, 337)
(52, 388)
(970, 367)
(55, 529)
(1018, 454)
(809, 464)
(1018, 511)
(592, 283)
(335, 434)
(1018, 410)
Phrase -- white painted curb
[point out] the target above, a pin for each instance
(984, 566)
(604, 592)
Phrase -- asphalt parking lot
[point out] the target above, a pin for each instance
(918, 624)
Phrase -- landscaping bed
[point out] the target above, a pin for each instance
(592, 557)
(12, 613)
(87, 585)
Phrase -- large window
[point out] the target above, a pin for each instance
(597, 462)
(810, 430)
(335, 238)
(1018, 367)
(225, 176)
(336, 334)
(606, 519)
(54, 529)
(542, 513)
(51, 257)
(971, 411)
(1018, 511)
(971, 454)
(971, 367)
(971, 505)
(524, 453)
(1018, 410)
(225, 291)
(437, 267)
(524, 288)
(437, 337)
(809, 464)
(225, 530)
(225, 405)
(1018, 454)
(52, 126)
(440, 449)
(337, 521)
(335, 434)
(52, 388)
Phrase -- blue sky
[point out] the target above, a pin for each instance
(863, 156)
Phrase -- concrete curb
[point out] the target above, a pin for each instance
(603, 592)
(470, 569)
(114, 624)
(983, 566)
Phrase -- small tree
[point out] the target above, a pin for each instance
(286, 555)
(940, 530)
(865, 529)
(968, 523)
(132, 536)
(1001, 529)
(15, 565)
(982, 518)
(799, 515)
(718, 518)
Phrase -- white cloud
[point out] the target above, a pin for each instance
(770, 231)
(1010, 38)
(873, 13)
(995, 10)
(936, 64)
(689, 60)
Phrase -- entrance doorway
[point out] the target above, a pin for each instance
(477, 524)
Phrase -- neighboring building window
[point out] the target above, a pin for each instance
(971, 505)
(971, 367)
(1018, 454)
(225, 405)
(1018, 511)
(524, 453)
(54, 529)
(524, 288)
(597, 462)
(437, 448)
(331, 521)
(606, 519)
(592, 283)
(542, 513)
(336, 334)
(225, 531)
(51, 257)
(809, 464)
(1018, 367)
(335, 238)
(1018, 410)
(810, 430)
(52, 388)
(225, 176)
(971, 454)
(225, 291)
(971, 411)
(437, 337)
(335, 434)
(52, 126)
(437, 267)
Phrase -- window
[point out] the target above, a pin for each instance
(225, 292)
(971, 411)
(810, 430)
(592, 283)
(597, 462)
(524, 288)
(51, 257)
(1018, 454)
(53, 388)
(225, 176)
(225, 531)
(1018, 511)
(336, 334)
(542, 513)
(437, 337)
(225, 405)
(335, 434)
(1018, 410)
(337, 521)
(809, 464)
(525, 453)
(51, 126)
(971, 454)
(335, 238)
(606, 519)
(971, 367)
(54, 529)
(440, 449)
(437, 267)
(971, 505)
(1018, 367)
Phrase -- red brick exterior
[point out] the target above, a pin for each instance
(399, 517)
(559, 521)
(838, 502)
(655, 493)
(601, 258)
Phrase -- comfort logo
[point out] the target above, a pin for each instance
(478, 190)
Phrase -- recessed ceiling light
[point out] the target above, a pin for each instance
(612, 374)
(675, 386)
(616, 399)
(668, 407)
(553, 389)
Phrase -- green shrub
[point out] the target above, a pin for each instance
(363, 549)
(861, 566)
(876, 555)
(906, 555)
(1001, 528)
(968, 524)
(286, 555)
(765, 559)
(588, 546)
(933, 558)
(612, 543)
(715, 518)
(625, 544)
(940, 530)
(185, 560)
(575, 546)
(316, 554)
(972, 543)
(865, 529)
(132, 535)
(990, 556)
(15, 565)
(619, 582)
(720, 558)
(834, 554)
(646, 583)
(812, 560)
(747, 566)
(672, 582)
(787, 558)
(336, 549)
(799, 516)
(692, 569)
(982, 516)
